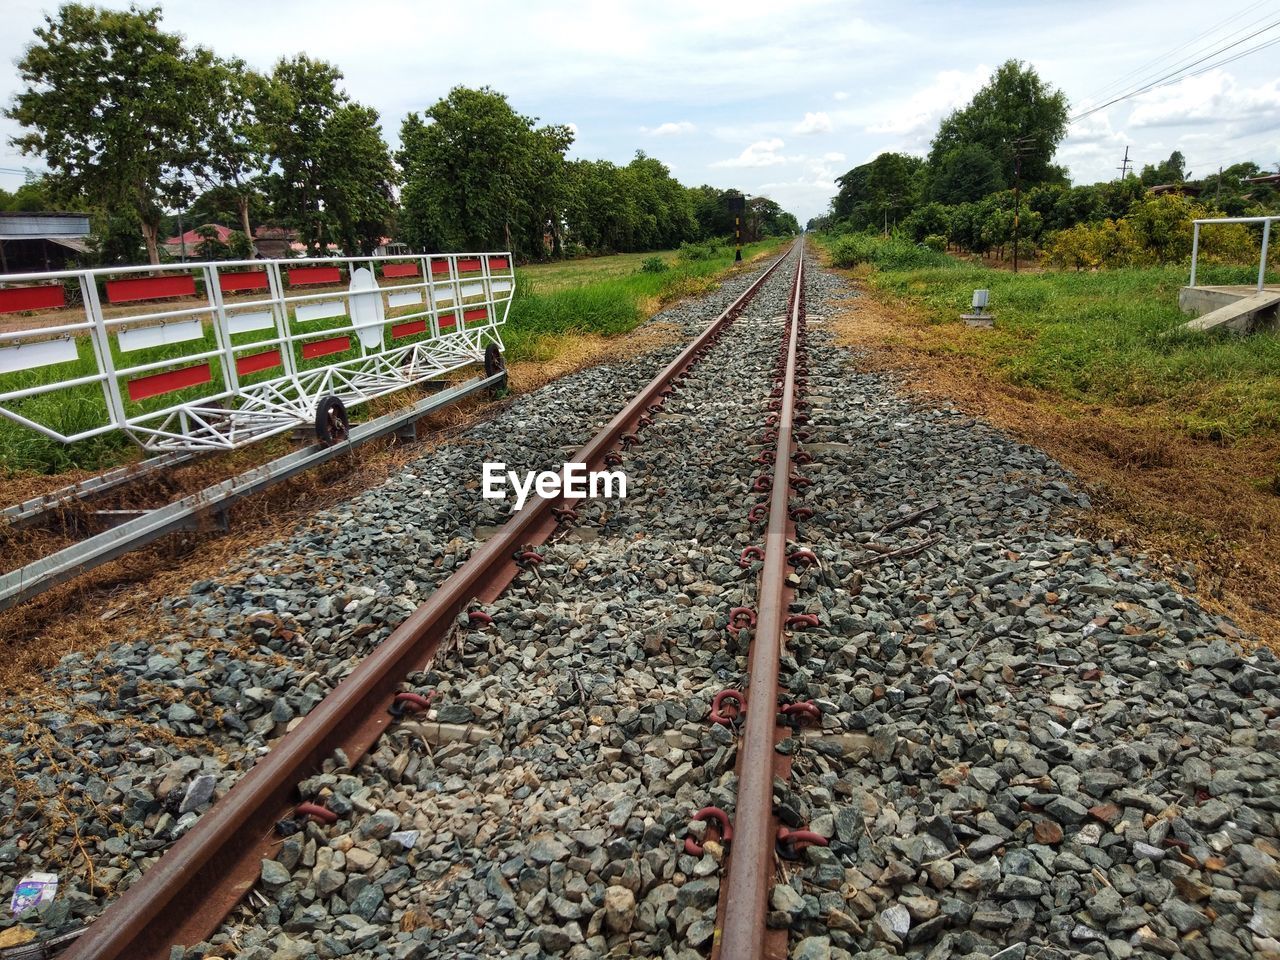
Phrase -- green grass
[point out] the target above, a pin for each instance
(1112, 337)
(605, 296)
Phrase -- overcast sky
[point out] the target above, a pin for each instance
(777, 98)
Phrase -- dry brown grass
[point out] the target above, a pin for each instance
(1153, 488)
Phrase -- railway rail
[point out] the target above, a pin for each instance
(184, 896)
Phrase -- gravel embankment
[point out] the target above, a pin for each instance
(1031, 745)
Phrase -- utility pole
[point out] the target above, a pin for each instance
(1124, 164)
(1218, 192)
(1021, 147)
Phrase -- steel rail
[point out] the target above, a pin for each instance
(30, 511)
(67, 564)
(755, 828)
(184, 896)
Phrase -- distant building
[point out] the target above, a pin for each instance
(1185, 189)
(35, 242)
(183, 246)
(274, 243)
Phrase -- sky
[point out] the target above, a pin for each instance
(777, 99)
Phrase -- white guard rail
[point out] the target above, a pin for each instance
(212, 356)
(1266, 239)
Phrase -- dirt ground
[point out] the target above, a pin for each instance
(1192, 505)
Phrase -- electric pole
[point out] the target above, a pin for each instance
(1021, 147)
(1124, 164)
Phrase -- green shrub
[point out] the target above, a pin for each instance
(653, 265)
(891, 253)
(936, 242)
(693, 252)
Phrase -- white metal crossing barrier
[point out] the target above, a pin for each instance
(212, 356)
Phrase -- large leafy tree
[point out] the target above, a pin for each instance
(235, 146)
(117, 108)
(1016, 118)
(479, 175)
(876, 192)
(333, 175)
(965, 173)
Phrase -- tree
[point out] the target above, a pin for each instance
(1169, 171)
(116, 108)
(235, 146)
(880, 191)
(1017, 118)
(357, 178)
(965, 173)
(294, 108)
(479, 175)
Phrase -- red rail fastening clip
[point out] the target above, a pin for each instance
(645, 420)
(763, 484)
(316, 812)
(414, 702)
(612, 459)
(772, 419)
(758, 512)
(748, 555)
(479, 616)
(717, 716)
(802, 456)
(798, 621)
(741, 617)
(656, 408)
(791, 842)
(804, 436)
(528, 557)
(565, 514)
(763, 457)
(800, 482)
(769, 436)
(802, 711)
(804, 557)
(709, 815)
(801, 513)
(629, 440)
(666, 392)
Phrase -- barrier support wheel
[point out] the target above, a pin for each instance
(332, 423)
(494, 362)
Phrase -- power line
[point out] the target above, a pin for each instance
(1159, 63)
(1181, 74)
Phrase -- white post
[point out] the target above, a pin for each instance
(1195, 250)
(1262, 262)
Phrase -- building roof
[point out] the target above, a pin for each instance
(192, 237)
(43, 225)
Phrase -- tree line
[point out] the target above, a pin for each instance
(135, 124)
(990, 173)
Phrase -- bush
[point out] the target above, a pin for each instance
(935, 242)
(893, 253)
(693, 252)
(653, 265)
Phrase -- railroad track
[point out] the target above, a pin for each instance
(181, 898)
(827, 683)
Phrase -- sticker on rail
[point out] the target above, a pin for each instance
(217, 355)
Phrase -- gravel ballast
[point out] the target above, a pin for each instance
(1031, 745)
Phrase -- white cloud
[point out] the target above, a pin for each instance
(813, 123)
(669, 129)
(840, 95)
(1214, 98)
(573, 128)
(915, 120)
(762, 153)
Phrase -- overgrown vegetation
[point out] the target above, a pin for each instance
(1113, 338)
(963, 196)
(544, 311)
